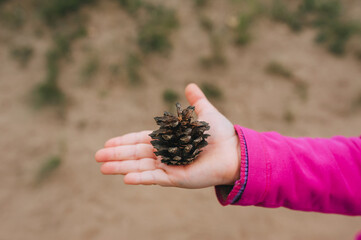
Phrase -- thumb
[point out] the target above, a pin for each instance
(196, 98)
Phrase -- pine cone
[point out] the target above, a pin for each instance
(179, 139)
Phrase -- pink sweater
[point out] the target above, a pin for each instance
(308, 174)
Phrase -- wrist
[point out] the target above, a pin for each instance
(232, 194)
(234, 174)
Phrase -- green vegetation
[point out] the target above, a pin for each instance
(131, 6)
(327, 16)
(116, 73)
(211, 90)
(47, 168)
(52, 58)
(154, 26)
(81, 124)
(357, 102)
(334, 29)
(132, 65)
(280, 12)
(63, 41)
(242, 23)
(242, 30)
(335, 35)
(115, 69)
(170, 96)
(200, 3)
(276, 68)
(12, 18)
(54, 10)
(22, 54)
(216, 58)
(103, 93)
(301, 89)
(48, 92)
(90, 68)
(288, 116)
(358, 54)
(154, 33)
(206, 24)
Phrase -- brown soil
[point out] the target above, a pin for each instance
(77, 202)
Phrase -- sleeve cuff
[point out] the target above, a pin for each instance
(230, 194)
(255, 168)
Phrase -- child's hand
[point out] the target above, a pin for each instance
(132, 154)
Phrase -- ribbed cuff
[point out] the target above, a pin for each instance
(255, 171)
(230, 194)
(259, 173)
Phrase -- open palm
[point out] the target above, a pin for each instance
(132, 154)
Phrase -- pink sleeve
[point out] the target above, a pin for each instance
(309, 174)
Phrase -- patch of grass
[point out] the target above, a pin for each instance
(334, 30)
(276, 68)
(90, 68)
(216, 58)
(357, 102)
(52, 58)
(115, 69)
(53, 10)
(339, 34)
(62, 45)
(116, 73)
(3, 1)
(301, 89)
(63, 41)
(131, 6)
(81, 124)
(288, 116)
(307, 6)
(103, 93)
(22, 54)
(200, 3)
(242, 34)
(206, 24)
(281, 13)
(241, 24)
(46, 94)
(326, 9)
(132, 65)
(13, 18)
(358, 54)
(211, 91)
(154, 33)
(170, 96)
(47, 168)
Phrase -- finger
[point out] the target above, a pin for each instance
(157, 176)
(127, 152)
(196, 98)
(128, 166)
(128, 139)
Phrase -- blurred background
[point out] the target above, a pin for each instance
(74, 73)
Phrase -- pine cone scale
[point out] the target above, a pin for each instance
(179, 139)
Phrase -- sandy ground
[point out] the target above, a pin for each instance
(77, 202)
